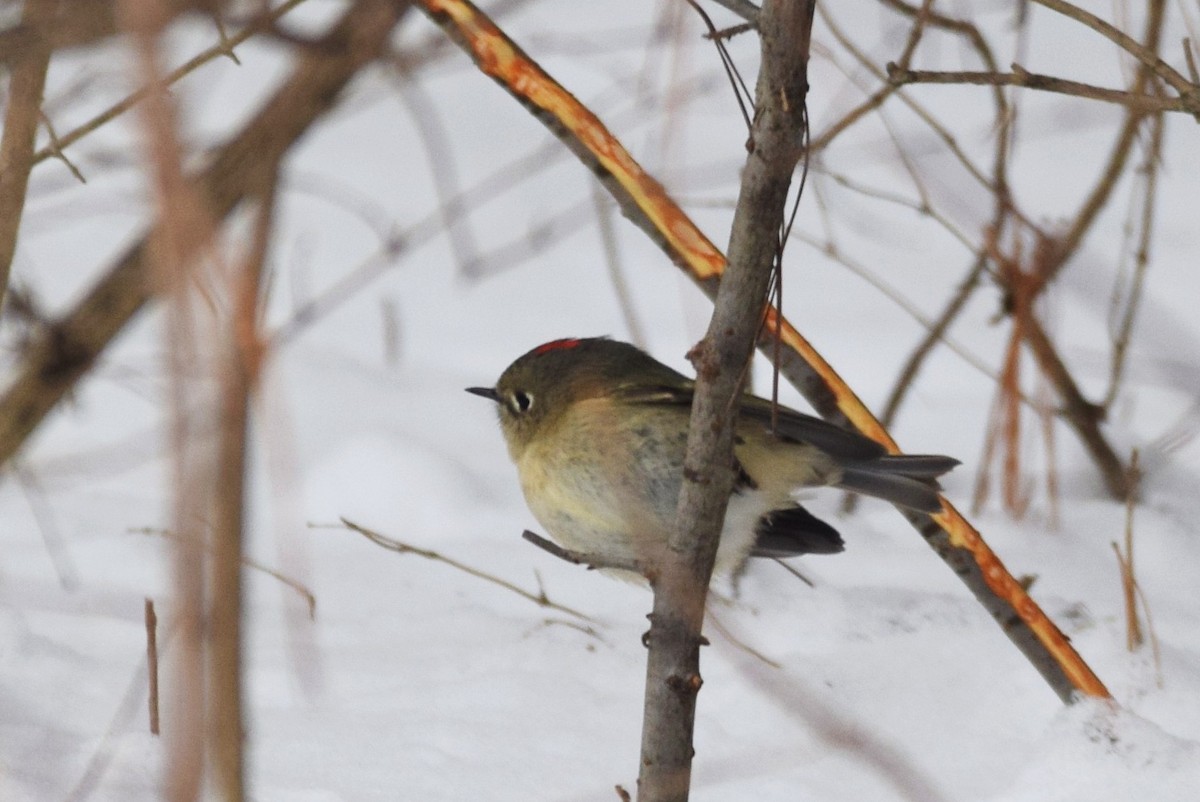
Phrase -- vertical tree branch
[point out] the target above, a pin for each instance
(238, 369)
(25, 86)
(681, 582)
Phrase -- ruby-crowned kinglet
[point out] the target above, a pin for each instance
(598, 430)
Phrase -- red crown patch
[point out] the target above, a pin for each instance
(556, 345)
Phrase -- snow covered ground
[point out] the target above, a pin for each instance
(416, 681)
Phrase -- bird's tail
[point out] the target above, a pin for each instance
(909, 480)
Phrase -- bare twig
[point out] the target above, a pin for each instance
(592, 561)
(443, 167)
(152, 663)
(55, 147)
(737, 642)
(310, 599)
(923, 16)
(391, 544)
(1141, 263)
(1133, 626)
(259, 25)
(131, 706)
(616, 274)
(1029, 80)
(1146, 54)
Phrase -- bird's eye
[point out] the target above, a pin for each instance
(521, 402)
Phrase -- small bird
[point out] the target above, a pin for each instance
(598, 430)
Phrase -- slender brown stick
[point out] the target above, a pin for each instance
(1141, 262)
(25, 85)
(1047, 83)
(391, 544)
(310, 598)
(1146, 54)
(152, 663)
(593, 561)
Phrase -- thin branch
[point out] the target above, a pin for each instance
(152, 663)
(612, 260)
(56, 148)
(1141, 263)
(1023, 78)
(256, 26)
(1081, 415)
(592, 561)
(442, 162)
(391, 544)
(1147, 55)
(310, 598)
(935, 332)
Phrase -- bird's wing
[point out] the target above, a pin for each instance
(842, 444)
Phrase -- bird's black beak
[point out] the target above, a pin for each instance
(486, 392)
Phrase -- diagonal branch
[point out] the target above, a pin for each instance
(1147, 55)
(257, 25)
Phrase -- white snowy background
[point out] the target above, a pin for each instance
(416, 681)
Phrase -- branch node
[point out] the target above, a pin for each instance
(55, 148)
(685, 685)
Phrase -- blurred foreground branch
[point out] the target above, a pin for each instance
(68, 347)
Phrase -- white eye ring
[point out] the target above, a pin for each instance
(521, 402)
